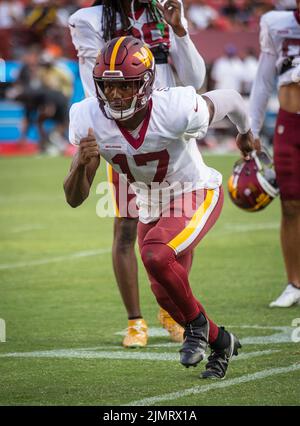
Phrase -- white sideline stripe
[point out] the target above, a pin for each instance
(219, 385)
(48, 260)
(123, 355)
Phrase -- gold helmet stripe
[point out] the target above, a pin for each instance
(114, 53)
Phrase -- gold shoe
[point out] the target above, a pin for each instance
(137, 334)
(175, 330)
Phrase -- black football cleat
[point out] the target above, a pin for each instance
(218, 360)
(195, 342)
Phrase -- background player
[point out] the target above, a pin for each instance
(280, 46)
(166, 119)
(164, 30)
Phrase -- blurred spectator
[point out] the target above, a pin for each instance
(245, 15)
(44, 90)
(230, 10)
(27, 90)
(59, 85)
(47, 19)
(201, 15)
(227, 71)
(41, 16)
(285, 4)
(250, 64)
(11, 13)
(54, 77)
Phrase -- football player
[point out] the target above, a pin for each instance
(164, 30)
(149, 136)
(280, 51)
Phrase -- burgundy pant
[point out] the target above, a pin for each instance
(287, 154)
(166, 248)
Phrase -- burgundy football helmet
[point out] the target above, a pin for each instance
(125, 59)
(252, 186)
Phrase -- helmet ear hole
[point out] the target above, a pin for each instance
(252, 185)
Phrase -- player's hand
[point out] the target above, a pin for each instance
(246, 144)
(88, 148)
(172, 14)
(257, 144)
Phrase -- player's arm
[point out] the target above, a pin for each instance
(261, 91)
(87, 42)
(265, 76)
(222, 103)
(188, 62)
(82, 172)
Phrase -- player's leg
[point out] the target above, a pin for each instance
(172, 324)
(58, 135)
(126, 273)
(290, 243)
(42, 117)
(161, 248)
(287, 166)
(172, 238)
(290, 239)
(45, 112)
(125, 266)
(25, 124)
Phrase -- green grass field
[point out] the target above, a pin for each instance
(64, 316)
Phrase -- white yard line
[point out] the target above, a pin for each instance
(125, 354)
(282, 335)
(196, 390)
(48, 260)
(260, 327)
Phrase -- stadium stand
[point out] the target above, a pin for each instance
(44, 23)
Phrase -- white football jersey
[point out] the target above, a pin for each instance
(87, 36)
(165, 150)
(280, 36)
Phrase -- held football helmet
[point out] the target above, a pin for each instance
(252, 186)
(124, 59)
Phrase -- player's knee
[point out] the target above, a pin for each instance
(156, 257)
(150, 257)
(125, 234)
(291, 209)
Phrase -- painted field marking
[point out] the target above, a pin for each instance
(196, 390)
(29, 198)
(231, 227)
(283, 335)
(122, 355)
(26, 228)
(2, 331)
(48, 260)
